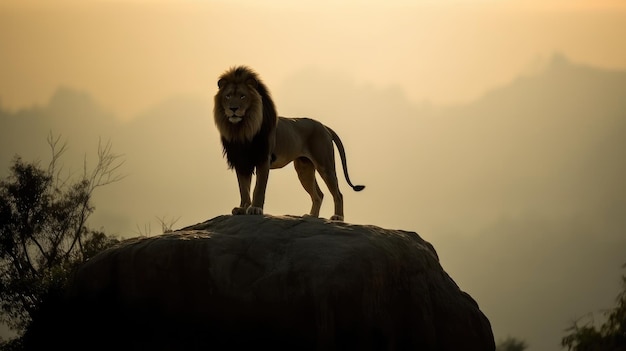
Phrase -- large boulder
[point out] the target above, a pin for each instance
(294, 283)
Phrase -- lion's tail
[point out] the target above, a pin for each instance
(342, 153)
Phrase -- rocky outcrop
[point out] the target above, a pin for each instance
(294, 283)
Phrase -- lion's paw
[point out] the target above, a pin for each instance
(254, 210)
(336, 218)
(239, 211)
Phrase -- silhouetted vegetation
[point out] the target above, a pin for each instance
(44, 233)
(511, 344)
(610, 336)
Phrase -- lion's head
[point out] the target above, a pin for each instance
(238, 109)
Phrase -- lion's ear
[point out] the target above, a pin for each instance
(252, 82)
(221, 83)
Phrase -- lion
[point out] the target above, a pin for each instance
(256, 139)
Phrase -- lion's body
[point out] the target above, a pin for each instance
(302, 137)
(254, 138)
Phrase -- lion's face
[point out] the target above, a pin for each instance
(235, 101)
(238, 110)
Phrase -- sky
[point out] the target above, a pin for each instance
(439, 51)
(138, 58)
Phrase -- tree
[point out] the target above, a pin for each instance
(43, 229)
(511, 344)
(610, 336)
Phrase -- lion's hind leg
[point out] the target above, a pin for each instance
(330, 178)
(306, 174)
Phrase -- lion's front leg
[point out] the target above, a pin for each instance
(244, 181)
(258, 198)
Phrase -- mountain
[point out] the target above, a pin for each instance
(549, 140)
(73, 115)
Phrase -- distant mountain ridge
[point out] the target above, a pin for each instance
(561, 119)
(570, 119)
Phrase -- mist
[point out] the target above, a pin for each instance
(520, 191)
(493, 129)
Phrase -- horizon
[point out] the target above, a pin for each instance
(533, 69)
(133, 54)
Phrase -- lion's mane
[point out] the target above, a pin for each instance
(245, 144)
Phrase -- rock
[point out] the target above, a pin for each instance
(279, 282)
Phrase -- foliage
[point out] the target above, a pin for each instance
(43, 231)
(611, 336)
(511, 344)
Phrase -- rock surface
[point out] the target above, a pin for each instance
(279, 282)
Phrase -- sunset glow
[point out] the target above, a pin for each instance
(493, 128)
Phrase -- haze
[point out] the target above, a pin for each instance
(494, 129)
(131, 54)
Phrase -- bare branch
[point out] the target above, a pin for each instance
(56, 152)
(166, 227)
(147, 229)
(105, 171)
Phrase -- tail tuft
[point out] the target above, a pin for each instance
(358, 187)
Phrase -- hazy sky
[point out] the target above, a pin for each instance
(525, 226)
(132, 54)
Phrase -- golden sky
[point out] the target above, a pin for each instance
(132, 54)
(378, 72)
